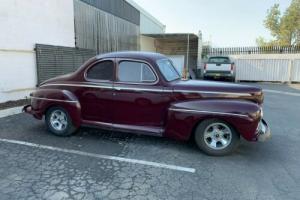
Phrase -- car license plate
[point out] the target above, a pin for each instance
(217, 75)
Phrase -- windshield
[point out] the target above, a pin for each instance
(168, 70)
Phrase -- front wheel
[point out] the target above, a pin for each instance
(216, 137)
(59, 122)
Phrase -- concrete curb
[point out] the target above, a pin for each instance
(10, 111)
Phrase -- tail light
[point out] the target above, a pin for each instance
(205, 66)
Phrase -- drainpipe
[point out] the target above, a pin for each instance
(187, 55)
(199, 56)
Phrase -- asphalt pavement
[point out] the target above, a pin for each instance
(37, 165)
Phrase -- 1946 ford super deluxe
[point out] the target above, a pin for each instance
(142, 93)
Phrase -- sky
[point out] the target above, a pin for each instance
(226, 23)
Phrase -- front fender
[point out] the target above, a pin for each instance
(43, 99)
(183, 117)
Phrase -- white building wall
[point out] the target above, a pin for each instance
(23, 24)
(150, 26)
(147, 44)
(148, 23)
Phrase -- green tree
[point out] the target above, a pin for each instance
(285, 28)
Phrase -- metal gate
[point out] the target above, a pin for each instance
(53, 61)
(295, 72)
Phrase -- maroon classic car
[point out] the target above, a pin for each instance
(142, 93)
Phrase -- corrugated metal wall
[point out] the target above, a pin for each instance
(119, 8)
(295, 73)
(102, 31)
(53, 61)
(262, 70)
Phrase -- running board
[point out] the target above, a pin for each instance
(140, 130)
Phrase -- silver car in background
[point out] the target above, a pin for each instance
(219, 67)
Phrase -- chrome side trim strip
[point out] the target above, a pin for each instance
(58, 100)
(105, 87)
(211, 92)
(78, 85)
(139, 89)
(146, 89)
(207, 112)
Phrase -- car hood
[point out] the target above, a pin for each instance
(219, 89)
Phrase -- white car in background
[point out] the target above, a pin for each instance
(219, 67)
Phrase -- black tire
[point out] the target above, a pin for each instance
(68, 129)
(202, 143)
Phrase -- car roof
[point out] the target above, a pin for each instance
(139, 55)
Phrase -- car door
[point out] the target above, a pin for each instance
(97, 94)
(139, 103)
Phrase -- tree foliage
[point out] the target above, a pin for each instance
(284, 28)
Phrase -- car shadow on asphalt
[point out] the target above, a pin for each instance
(30, 130)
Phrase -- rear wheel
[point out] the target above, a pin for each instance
(59, 122)
(216, 137)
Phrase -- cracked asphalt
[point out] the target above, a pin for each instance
(268, 170)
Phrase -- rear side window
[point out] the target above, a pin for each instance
(219, 60)
(101, 71)
(136, 72)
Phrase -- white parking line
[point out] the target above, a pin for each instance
(282, 92)
(99, 156)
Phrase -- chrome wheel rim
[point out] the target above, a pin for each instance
(217, 136)
(58, 120)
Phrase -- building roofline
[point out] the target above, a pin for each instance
(143, 11)
(172, 35)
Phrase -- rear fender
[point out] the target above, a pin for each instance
(43, 99)
(184, 117)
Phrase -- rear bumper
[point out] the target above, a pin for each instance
(218, 75)
(29, 110)
(263, 132)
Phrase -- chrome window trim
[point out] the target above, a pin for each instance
(208, 112)
(119, 60)
(173, 67)
(58, 100)
(98, 80)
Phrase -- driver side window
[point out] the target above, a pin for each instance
(135, 72)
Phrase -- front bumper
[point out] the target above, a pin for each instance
(263, 132)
